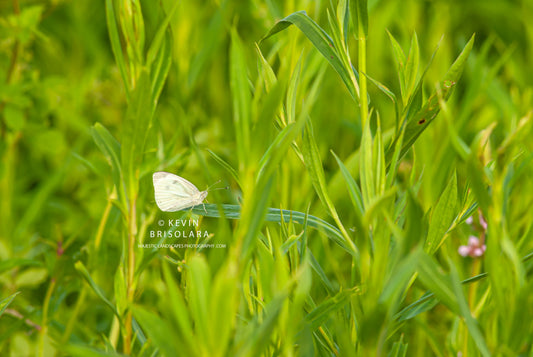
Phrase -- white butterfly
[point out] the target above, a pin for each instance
(174, 193)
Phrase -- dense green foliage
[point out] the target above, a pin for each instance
(364, 145)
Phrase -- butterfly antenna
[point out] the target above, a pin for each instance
(218, 188)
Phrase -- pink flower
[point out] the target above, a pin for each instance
(474, 248)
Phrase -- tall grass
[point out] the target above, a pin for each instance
(364, 145)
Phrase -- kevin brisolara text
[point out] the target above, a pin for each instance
(179, 234)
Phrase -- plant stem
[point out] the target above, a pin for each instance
(130, 293)
(44, 322)
(363, 99)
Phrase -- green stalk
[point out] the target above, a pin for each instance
(363, 98)
(44, 321)
(130, 287)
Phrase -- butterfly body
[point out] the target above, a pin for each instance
(174, 193)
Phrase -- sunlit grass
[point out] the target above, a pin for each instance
(363, 146)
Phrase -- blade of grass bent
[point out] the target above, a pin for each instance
(276, 215)
(322, 42)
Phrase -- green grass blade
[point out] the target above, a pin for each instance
(199, 287)
(179, 309)
(471, 323)
(97, 290)
(434, 280)
(259, 334)
(322, 42)
(276, 215)
(478, 181)
(227, 166)
(353, 187)
(314, 167)
(86, 351)
(160, 69)
(411, 67)
(328, 307)
(116, 45)
(4, 303)
(420, 121)
(223, 309)
(399, 62)
(135, 131)
(399, 348)
(242, 98)
(19, 263)
(159, 39)
(321, 273)
(110, 147)
(359, 11)
(158, 330)
(442, 217)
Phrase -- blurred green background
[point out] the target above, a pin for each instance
(58, 77)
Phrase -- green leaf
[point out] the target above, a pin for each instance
(223, 309)
(431, 276)
(40, 199)
(353, 187)
(158, 330)
(19, 263)
(478, 181)
(321, 273)
(4, 303)
(417, 123)
(242, 98)
(135, 131)
(359, 12)
(442, 216)
(86, 351)
(159, 39)
(160, 68)
(322, 42)
(320, 314)
(411, 68)
(116, 44)
(275, 215)
(398, 281)
(259, 333)
(215, 34)
(399, 62)
(31, 277)
(120, 290)
(265, 70)
(227, 166)
(199, 286)
(314, 167)
(179, 309)
(399, 348)
(98, 291)
(14, 116)
(110, 147)
(471, 322)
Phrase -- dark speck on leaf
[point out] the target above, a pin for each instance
(421, 121)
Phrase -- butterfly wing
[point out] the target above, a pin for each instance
(174, 193)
